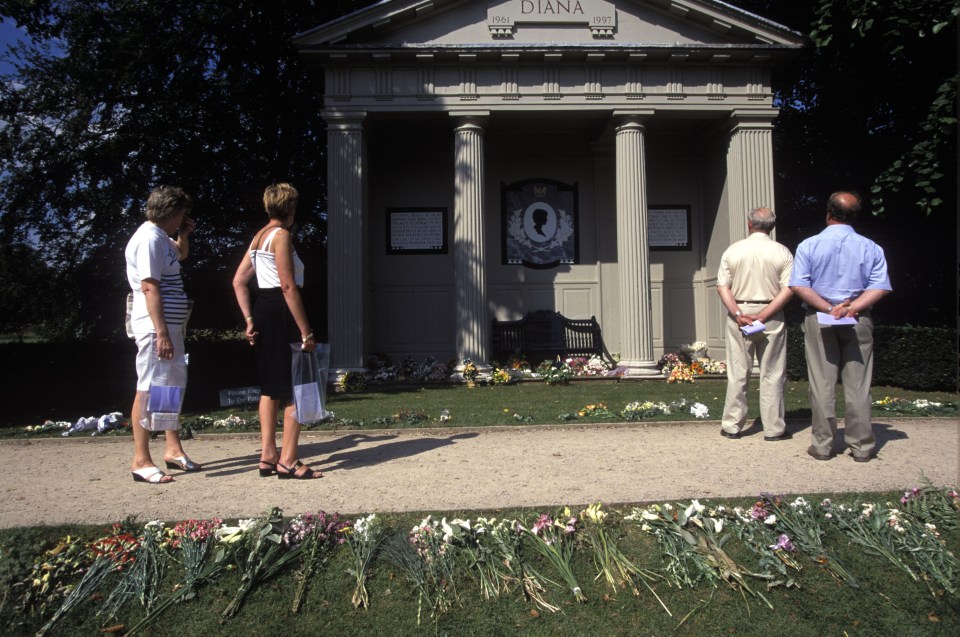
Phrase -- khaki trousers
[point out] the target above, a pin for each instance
(848, 350)
(770, 348)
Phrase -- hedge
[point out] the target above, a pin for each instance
(921, 358)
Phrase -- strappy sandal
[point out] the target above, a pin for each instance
(269, 471)
(150, 475)
(291, 473)
(183, 463)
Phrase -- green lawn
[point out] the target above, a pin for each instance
(888, 602)
(541, 404)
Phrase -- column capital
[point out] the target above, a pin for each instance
(466, 120)
(343, 121)
(632, 119)
(756, 119)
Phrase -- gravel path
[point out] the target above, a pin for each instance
(87, 480)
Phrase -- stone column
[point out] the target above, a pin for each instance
(636, 326)
(346, 256)
(749, 167)
(469, 254)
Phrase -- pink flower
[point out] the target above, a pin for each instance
(543, 522)
(783, 544)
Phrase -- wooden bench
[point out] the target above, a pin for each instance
(545, 335)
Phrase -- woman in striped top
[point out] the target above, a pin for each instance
(157, 318)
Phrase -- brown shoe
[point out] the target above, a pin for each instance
(786, 435)
(818, 456)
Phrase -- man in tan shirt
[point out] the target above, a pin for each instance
(753, 283)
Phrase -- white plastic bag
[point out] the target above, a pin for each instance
(309, 372)
(163, 400)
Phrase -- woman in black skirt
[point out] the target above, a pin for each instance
(276, 320)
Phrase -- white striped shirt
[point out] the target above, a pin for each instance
(151, 254)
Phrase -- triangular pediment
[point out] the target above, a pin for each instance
(563, 24)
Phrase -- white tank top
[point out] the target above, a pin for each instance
(265, 265)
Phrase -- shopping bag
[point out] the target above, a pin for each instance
(164, 399)
(309, 383)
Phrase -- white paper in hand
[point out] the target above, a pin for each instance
(753, 328)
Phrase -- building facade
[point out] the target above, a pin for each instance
(488, 158)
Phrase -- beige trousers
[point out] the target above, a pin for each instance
(847, 350)
(770, 349)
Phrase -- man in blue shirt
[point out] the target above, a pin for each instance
(840, 274)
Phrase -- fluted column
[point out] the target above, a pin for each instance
(346, 256)
(472, 313)
(633, 253)
(749, 168)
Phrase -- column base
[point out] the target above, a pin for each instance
(640, 369)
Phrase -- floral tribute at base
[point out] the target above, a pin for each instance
(781, 541)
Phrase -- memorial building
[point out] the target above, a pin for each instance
(490, 158)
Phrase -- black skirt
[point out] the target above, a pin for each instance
(277, 330)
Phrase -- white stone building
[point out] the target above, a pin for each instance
(488, 158)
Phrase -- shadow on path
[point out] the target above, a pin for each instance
(390, 451)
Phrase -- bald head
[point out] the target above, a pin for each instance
(843, 207)
(761, 220)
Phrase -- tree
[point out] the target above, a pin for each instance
(852, 111)
(112, 98)
(902, 25)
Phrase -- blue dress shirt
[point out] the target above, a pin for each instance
(840, 264)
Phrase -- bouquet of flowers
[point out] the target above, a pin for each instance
(638, 410)
(317, 535)
(192, 540)
(470, 371)
(775, 553)
(265, 555)
(615, 567)
(555, 372)
(667, 362)
(363, 539)
(227, 539)
(473, 540)
(111, 553)
(48, 583)
(920, 406)
(872, 527)
(597, 411)
(703, 535)
(142, 579)
(680, 374)
(554, 539)
(596, 366)
(427, 559)
(798, 520)
(501, 377)
(430, 369)
(508, 546)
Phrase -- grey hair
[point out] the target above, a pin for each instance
(165, 202)
(762, 219)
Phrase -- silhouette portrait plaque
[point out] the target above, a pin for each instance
(539, 223)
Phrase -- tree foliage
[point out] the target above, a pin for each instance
(903, 26)
(112, 98)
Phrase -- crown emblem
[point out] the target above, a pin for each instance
(540, 190)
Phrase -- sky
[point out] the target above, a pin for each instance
(8, 36)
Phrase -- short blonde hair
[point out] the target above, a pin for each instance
(280, 201)
(165, 202)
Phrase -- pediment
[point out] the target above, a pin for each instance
(393, 25)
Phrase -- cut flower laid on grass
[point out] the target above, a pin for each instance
(129, 573)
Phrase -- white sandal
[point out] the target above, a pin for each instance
(150, 475)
